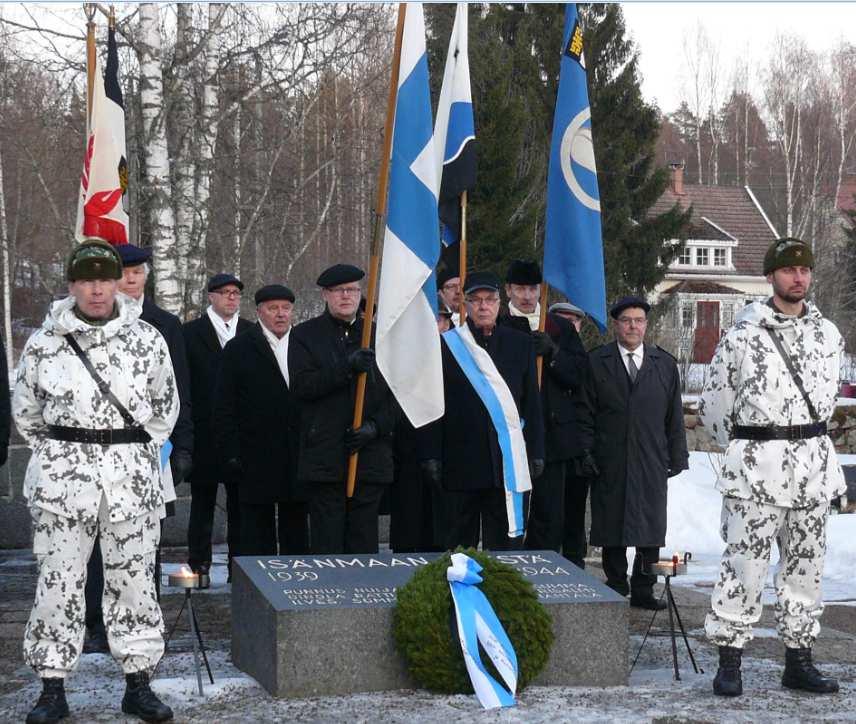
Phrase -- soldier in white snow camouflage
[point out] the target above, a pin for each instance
(95, 468)
(780, 470)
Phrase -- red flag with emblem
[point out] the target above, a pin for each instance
(104, 182)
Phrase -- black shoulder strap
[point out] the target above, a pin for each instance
(102, 384)
(797, 379)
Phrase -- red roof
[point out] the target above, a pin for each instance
(732, 209)
(691, 286)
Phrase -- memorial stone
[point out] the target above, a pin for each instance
(322, 625)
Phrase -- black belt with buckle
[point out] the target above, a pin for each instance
(122, 436)
(776, 432)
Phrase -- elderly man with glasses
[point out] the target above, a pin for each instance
(204, 339)
(631, 423)
(324, 361)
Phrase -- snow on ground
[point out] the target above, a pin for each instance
(693, 525)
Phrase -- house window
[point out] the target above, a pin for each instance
(702, 256)
(685, 258)
(727, 314)
(687, 315)
(720, 257)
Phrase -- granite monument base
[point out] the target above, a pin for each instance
(322, 625)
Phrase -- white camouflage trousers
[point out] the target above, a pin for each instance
(54, 635)
(749, 529)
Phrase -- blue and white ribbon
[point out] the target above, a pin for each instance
(477, 623)
(491, 388)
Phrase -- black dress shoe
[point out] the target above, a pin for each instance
(649, 603)
(801, 673)
(728, 680)
(95, 640)
(140, 700)
(51, 706)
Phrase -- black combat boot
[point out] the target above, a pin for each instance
(728, 681)
(51, 705)
(800, 673)
(139, 699)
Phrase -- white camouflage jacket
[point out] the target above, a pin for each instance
(54, 388)
(748, 383)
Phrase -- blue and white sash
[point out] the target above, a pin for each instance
(482, 374)
(477, 622)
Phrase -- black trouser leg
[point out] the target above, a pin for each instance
(233, 522)
(293, 525)
(327, 517)
(409, 510)
(361, 521)
(546, 517)
(575, 545)
(642, 584)
(615, 568)
(459, 517)
(203, 499)
(94, 591)
(494, 518)
(258, 530)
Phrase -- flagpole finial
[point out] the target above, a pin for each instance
(89, 9)
(111, 22)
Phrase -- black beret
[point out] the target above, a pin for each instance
(133, 255)
(339, 274)
(481, 280)
(94, 259)
(221, 280)
(787, 252)
(626, 303)
(270, 292)
(445, 274)
(523, 272)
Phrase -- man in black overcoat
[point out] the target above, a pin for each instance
(324, 360)
(204, 339)
(135, 273)
(461, 452)
(631, 420)
(255, 426)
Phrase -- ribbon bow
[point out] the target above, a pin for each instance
(477, 623)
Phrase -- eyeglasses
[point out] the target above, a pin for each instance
(451, 287)
(345, 291)
(231, 294)
(638, 321)
(483, 301)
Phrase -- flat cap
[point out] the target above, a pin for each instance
(133, 255)
(339, 274)
(222, 279)
(626, 303)
(94, 259)
(481, 280)
(269, 292)
(566, 307)
(788, 251)
(522, 271)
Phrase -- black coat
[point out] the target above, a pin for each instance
(636, 433)
(5, 399)
(562, 377)
(325, 386)
(255, 420)
(203, 358)
(464, 438)
(170, 328)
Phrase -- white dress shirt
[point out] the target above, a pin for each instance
(638, 357)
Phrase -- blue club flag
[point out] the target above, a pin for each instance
(573, 245)
(454, 131)
(407, 341)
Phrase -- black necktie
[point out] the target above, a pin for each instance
(632, 369)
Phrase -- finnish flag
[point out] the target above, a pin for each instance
(407, 342)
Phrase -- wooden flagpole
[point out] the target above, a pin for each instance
(89, 9)
(377, 235)
(462, 258)
(542, 323)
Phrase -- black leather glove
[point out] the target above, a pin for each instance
(234, 470)
(181, 462)
(536, 468)
(543, 344)
(587, 466)
(432, 473)
(361, 360)
(4, 454)
(364, 434)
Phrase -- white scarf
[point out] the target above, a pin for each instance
(280, 350)
(225, 330)
(533, 317)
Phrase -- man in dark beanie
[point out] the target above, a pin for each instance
(769, 394)
(96, 399)
(255, 425)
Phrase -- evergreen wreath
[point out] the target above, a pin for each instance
(426, 633)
